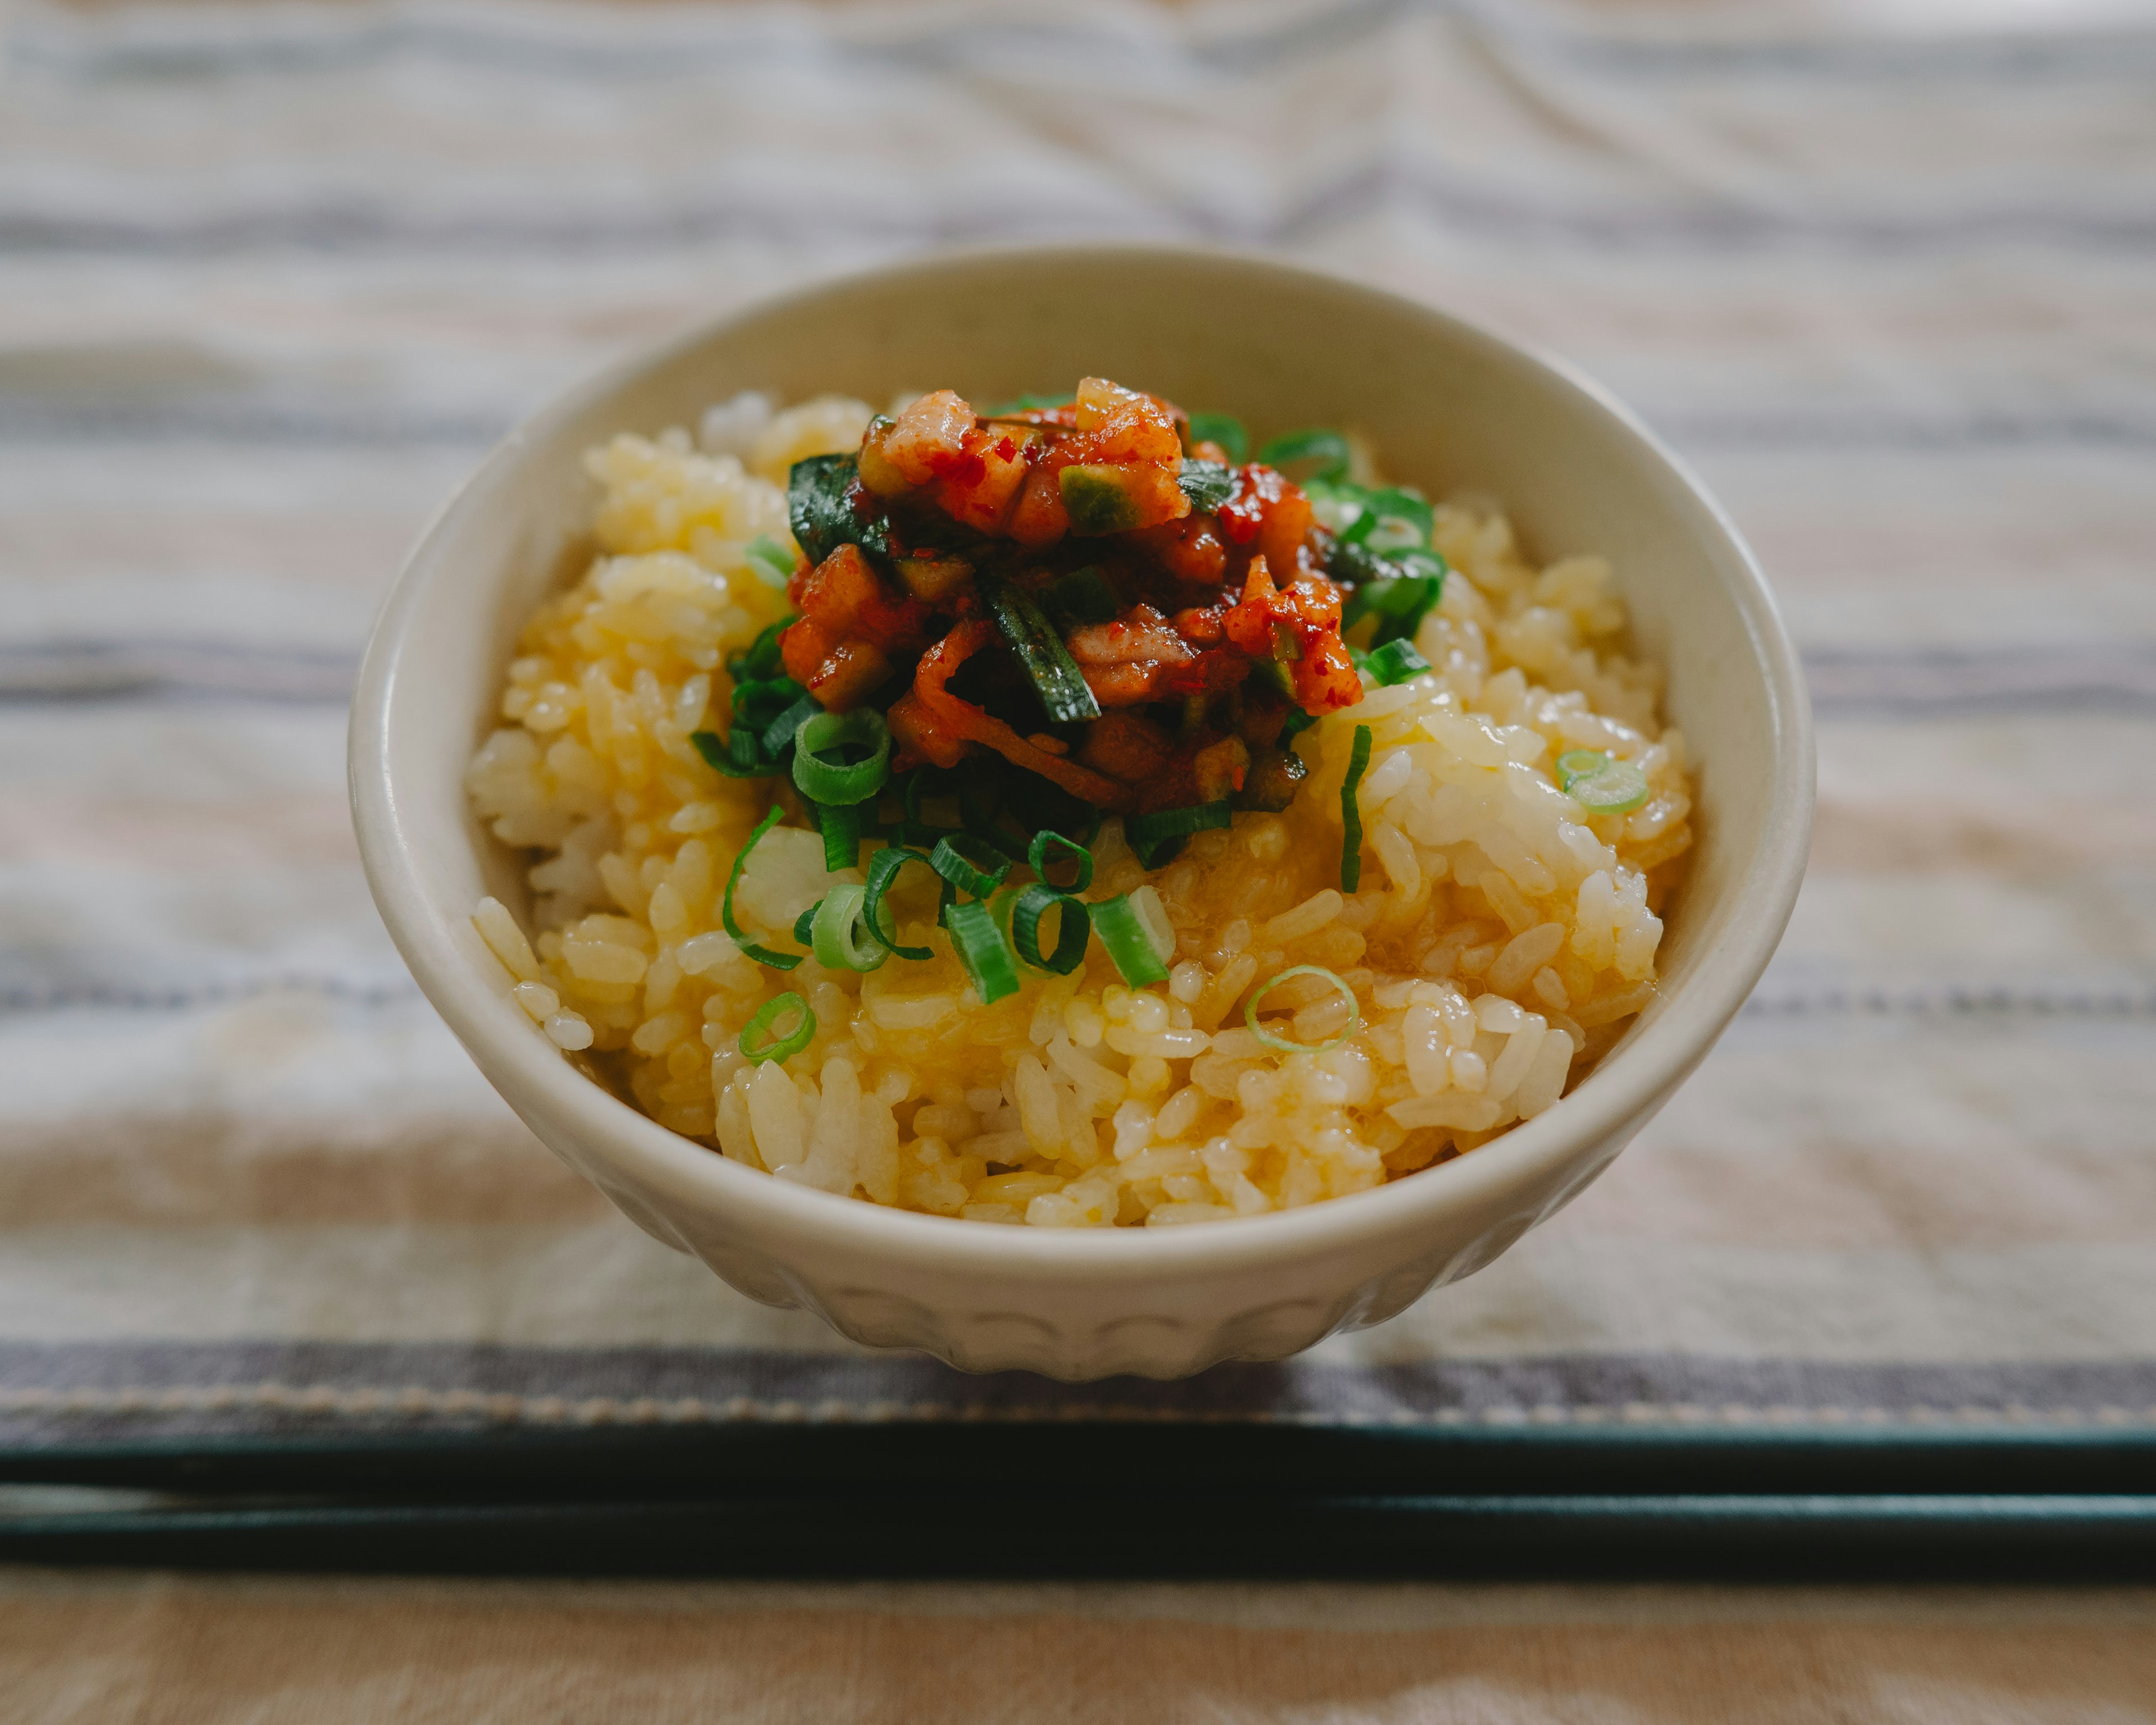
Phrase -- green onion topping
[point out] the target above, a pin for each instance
(1082, 597)
(1398, 602)
(765, 1022)
(1382, 503)
(1207, 483)
(1037, 858)
(840, 824)
(1072, 938)
(1351, 812)
(983, 950)
(762, 659)
(826, 780)
(806, 921)
(955, 866)
(732, 924)
(1280, 1044)
(779, 734)
(736, 754)
(1026, 404)
(1328, 449)
(769, 562)
(1129, 932)
(1598, 781)
(1225, 430)
(980, 820)
(1055, 675)
(840, 935)
(819, 508)
(883, 927)
(1157, 837)
(1395, 662)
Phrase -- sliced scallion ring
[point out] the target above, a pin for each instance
(1600, 782)
(1225, 430)
(727, 920)
(1351, 812)
(882, 925)
(1395, 662)
(840, 824)
(827, 780)
(983, 950)
(765, 1024)
(1072, 938)
(980, 821)
(1326, 447)
(840, 935)
(955, 866)
(803, 922)
(1038, 859)
(779, 733)
(769, 562)
(763, 657)
(736, 754)
(1139, 955)
(1155, 838)
(1283, 1044)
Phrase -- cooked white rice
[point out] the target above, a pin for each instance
(1496, 947)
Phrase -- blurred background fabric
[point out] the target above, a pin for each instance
(274, 276)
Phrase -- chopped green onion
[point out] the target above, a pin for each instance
(1351, 812)
(829, 781)
(727, 920)
(806, 921)
(759, 700)
(840, 824)
(883, 869)
(983, 950)
(769, 562)
(1225, 430)
(1395, 662)
(1040, 649)
(1037, 858)
(1390, 503)
(955, 866)
(1072, 938)
(1128, 933)
(839, 934)
(1298, 721)
(778, 735)
(1026, 404)
(1207, 483)
(1598, 781)
(765, 1022)
(736, 755)
(1326, 447)
(819, 508)
(763, 657)
(980, 821)
(1281, 1044)
(912, 828)
(1157, 837)
(1400, 603)
(1082, 597)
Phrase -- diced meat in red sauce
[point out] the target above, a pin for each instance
(1225, 619)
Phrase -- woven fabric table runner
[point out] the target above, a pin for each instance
(272, 279)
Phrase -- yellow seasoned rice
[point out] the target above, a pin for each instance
(1499, 941)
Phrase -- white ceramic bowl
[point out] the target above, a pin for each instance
(1450, 407)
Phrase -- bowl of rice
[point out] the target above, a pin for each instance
(1091, 809)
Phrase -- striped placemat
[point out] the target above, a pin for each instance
(272, 278)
